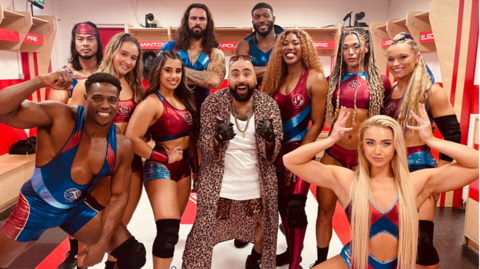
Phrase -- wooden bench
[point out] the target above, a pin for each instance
(14, 171)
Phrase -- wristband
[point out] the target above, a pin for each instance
(159, 157)
(193, 161)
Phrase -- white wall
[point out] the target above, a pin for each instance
(400, 8)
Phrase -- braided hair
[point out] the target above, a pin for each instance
(374, 78)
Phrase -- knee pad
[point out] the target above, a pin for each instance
(296, 211)
(282, 204)
(131, 254)
(167, 238)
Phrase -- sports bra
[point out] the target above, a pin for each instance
(125, 110)
(172, 124)
(53, 181)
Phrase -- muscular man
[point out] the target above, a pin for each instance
(77, 147)
(197, 45)
(240, 137)
(86, 54)
(260, 43)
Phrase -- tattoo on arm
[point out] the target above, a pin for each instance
(213, 76)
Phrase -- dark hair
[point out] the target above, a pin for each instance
(182, 40)
(103, 77)
(262, 5)
(182, 92)
(73, 59)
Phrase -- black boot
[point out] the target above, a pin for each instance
(70, 261)
(109, 264)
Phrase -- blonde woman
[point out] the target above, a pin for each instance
(381, 199)
(123, 60)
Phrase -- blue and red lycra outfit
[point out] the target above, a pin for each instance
(295, 109)
(172, 124)
(51, 198)
(74, 81)
(348, 84)
(199, 93)
(124, 113)
(380, 222)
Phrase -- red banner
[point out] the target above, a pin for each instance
(152, 44)
(228, 45)
(9, 35)
(329, 45)
(426, 37)
(386, 42)
(34, 39)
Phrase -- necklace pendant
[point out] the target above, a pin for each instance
(243, 135)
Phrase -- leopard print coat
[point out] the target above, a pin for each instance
(205, 234)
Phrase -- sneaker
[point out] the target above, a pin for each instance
(250, 264)
(239, 243)
(70, 262)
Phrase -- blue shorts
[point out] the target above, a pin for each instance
(153, 170)
(420, 157)
(32, 216)
(346, 255)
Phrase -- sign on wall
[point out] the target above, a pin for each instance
(386, 42)
(152, 44)
(40, 1)
(329, 45)
(426, 37)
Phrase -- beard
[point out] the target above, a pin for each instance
(86, 57)
(196, 35)
(242, 97)
(264, 34)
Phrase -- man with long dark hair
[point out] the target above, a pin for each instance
(196, 43)
(86, 54)
(259, 44)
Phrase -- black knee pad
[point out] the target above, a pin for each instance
(296, 211)
(131, 254)
(282, 204)
(167, 238)
(426, 253)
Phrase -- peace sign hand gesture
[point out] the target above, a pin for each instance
(339, 128)
(424, 126)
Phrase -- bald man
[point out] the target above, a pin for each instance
(240, 137)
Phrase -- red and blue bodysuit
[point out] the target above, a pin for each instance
(199, 93)
(380, 222)
(349, 83)
(124, 112)
(295, 109)
(51, 198)
(74, 82)
(172, 124)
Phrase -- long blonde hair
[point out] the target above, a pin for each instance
(277, 68)
(418, 87)
(134, 77)
(374, 78)
(360, 213)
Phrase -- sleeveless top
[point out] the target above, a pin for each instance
(53, 181)
(260, 58)
(125, 110)
(295, 109)
(74, 82)
(172, 124)
(357, 81)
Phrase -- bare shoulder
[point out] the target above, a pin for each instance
(124, 145)
(437, 93)
(317, 80)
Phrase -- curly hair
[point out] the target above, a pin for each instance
(74, 56)
(182, 40)
(103, 77)
(134, 77)
(418, 88)
(277, 68)
(182, 92)
(374, 78)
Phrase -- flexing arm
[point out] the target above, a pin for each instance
(448, 177)
(213, 77)
(17, 112)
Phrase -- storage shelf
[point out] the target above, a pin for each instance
(14, 27)
(419, 26)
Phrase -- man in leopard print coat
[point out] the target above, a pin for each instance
(220, 219)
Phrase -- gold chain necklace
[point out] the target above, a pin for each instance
(248, 119)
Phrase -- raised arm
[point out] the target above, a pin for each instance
(214, 75)
(448, 177)
(333, 177)
(17, 112)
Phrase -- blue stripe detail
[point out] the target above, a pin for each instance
(39, 186)
(297, 119)
(350, 74)
(159, 96)
(203, 60)
(391, 264)
(298, 137)
(170, 45)
(421, 159)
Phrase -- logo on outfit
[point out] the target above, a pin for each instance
(187, 117)
(71, 195)
(352, 85)
(389, 108)
(124, 110)
(298, 99)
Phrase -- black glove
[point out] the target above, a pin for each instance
(265, 130)
(224, 131)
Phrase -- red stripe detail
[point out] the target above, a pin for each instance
(190, 213)
(35, 66)
(54, 259)
(18, 219)
(457, 51)
(442, 200)
(73, 141)
(110, 158)
(47, 90)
